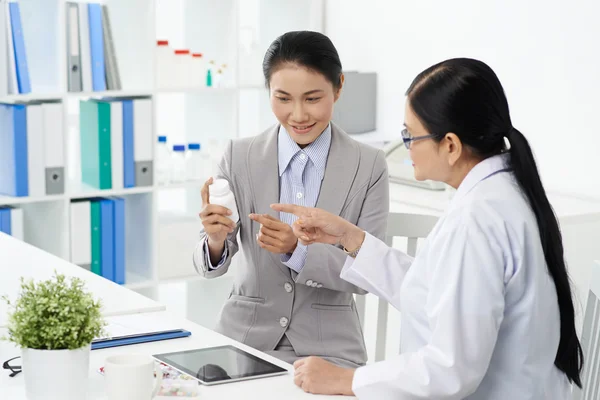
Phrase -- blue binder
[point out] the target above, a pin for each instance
(119, 240)
(107, 247)
(13, 150)
(128, 145)
(5, 222)
(97, 47)
(141, 338)
(19, 48)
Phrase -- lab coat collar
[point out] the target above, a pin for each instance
(480, 172)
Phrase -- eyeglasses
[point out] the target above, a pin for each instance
(14, 369)
(407, 138)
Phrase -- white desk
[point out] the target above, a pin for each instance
(275, 388)
(21, 259)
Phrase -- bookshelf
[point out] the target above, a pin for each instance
(231, 32)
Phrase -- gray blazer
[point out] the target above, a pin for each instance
(315, 308)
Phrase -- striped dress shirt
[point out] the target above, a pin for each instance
(301, 172)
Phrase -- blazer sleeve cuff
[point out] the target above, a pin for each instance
(297, 259)
(207, 261)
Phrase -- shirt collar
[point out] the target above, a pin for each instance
(317, 151)
(480, 172)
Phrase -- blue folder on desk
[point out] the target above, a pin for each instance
(139, 338)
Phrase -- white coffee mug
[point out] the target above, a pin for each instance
(131, 377)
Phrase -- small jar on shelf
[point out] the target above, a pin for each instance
(198, 70)
(163, 161)
(181, 73)
(178, 167)
(164, 64)
(194, 162)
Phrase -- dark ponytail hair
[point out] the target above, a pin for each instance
(311, 50)
(464, 96)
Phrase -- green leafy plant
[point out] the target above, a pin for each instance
(55, 314)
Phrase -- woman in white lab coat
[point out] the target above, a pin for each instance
(486, 305)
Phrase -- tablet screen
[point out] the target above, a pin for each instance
(221, 363)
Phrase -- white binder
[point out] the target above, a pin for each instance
(81, 234)
(13, 86)
(116, 143)
(54, 152)
(16, 223)
(35, 151)
(143, 140)
(84, 47)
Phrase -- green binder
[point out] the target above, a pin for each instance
(94, 125)
(96, 238)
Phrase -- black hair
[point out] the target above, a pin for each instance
(465, 97)
(311, 50)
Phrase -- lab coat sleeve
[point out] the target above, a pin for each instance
(200, 256)
(465, 308)
(324, 262)
(378, 268)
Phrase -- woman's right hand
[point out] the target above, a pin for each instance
(315, 225)
(215, 220)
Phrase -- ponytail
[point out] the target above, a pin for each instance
(569, 357)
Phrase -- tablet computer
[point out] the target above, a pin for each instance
(223, 364)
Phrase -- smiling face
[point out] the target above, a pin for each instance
(302, 101)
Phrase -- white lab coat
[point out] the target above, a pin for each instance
(479, 311)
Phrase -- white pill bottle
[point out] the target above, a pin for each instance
(221, 194)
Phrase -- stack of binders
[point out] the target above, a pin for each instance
(98, 236)
(116, 143)
(14, 70)
(92, 62)
(31, 149)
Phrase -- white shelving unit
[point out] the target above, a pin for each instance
(232, 32)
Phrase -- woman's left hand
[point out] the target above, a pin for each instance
(275, 236)
(317, 376)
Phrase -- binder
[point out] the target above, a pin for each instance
(35, 150)
(95, 219)
(138, 338)
(13, 150)
(113, 79)
(85, 49)
(54, 157)
(16, 223)
(128, 145)
(119, 240)
(73, 47)
(107, 247)
(3, 51)
(13, 86)
(5, 223)
(116, 144)
(80, 224)
(143, 135)
(19, 49)
(97, 47)
(95, 144)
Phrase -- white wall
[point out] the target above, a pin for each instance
(545, 52)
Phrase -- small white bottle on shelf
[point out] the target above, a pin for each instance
(182, 70)
(193, 162)
(198, 70)
(163, 161)
(221, 194)
(164, 64)
(178, 163)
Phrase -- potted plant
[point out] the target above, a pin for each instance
(54, 323)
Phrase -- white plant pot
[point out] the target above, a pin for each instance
(56, 374)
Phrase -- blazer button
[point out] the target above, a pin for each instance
(319, 286)
(283, 321)
(315, 284)
(309, 282)
(288, 287)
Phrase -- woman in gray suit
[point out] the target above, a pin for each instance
(288, 299)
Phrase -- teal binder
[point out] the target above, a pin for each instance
(94, 124)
